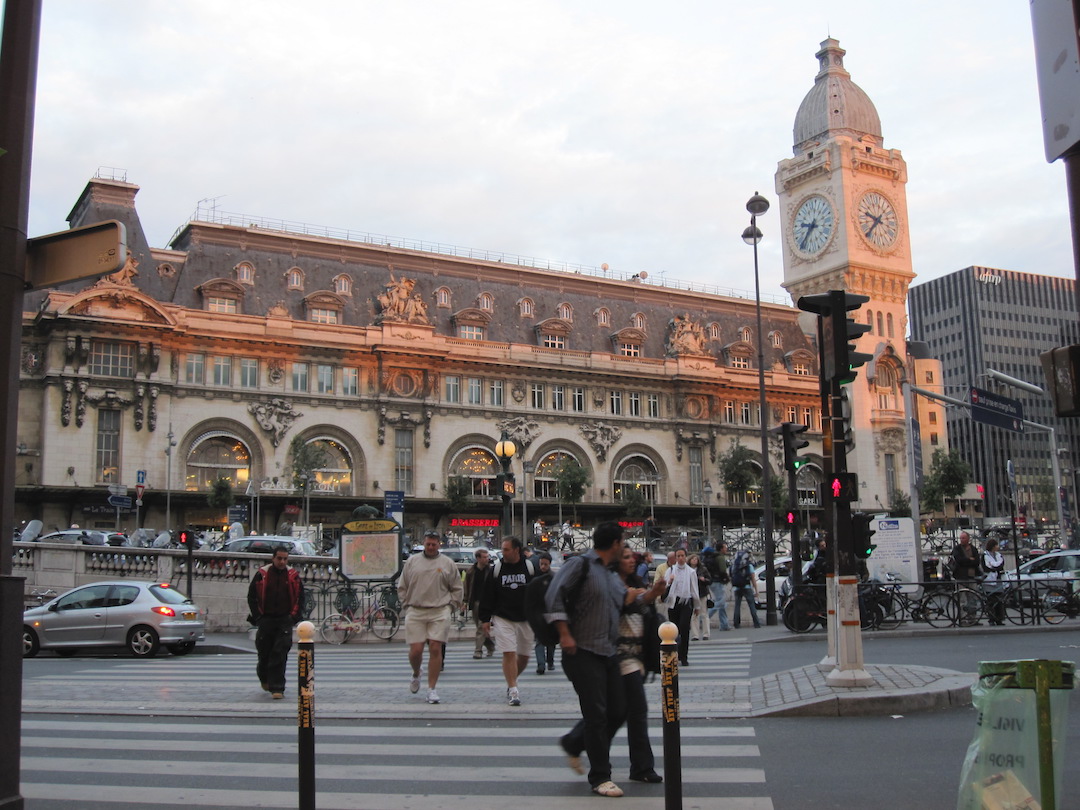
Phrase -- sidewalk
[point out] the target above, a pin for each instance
(796, 692)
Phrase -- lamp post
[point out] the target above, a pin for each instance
(708, 513)
(527, 467)
(504, 451)
(758, 205)
(305, 479)
(168, 478)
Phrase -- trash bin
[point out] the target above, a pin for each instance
(930, 569)
(1017, 756)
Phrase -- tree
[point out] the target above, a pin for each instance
(899, 504)
(307, 458)
(459, 493)
(949, 475)
(221, 494)
(633, 501)
(571, 481)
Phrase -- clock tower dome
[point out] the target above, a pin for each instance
(843, 210)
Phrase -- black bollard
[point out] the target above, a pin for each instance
(669, 687)
(305, 714)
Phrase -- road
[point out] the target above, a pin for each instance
(82, 755)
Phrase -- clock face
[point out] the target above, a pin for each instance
(877, 220)
(813, 225)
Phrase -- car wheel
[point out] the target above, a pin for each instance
(183, 648)
(30, 643)
(143, 642)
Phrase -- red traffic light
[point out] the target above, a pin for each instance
(791, 518)
(185, 537)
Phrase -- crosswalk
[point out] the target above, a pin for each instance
(85, 762)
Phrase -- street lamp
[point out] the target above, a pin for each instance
(168, 478)
(305, 479)
(708, 513)
(758, 205)
(504, 451)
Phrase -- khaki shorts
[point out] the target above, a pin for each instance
(512, 637)
(427, 624)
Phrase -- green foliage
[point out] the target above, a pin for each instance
(949, 475)
(306, 459)
(899, 504)
(221, 495)
(571, 481)
(736, 468)
(633, 501)
(459, 493)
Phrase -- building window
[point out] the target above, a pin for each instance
(558, 398)
(565, 311)
(245, 273)
(350, 382)
(929, 378)
(792, 413)
(403, 461)
(538, 396)
(577, 400)
(476, 391)
(249, 372)
(889, 323)
(934, 439)
(195, 369)
(525, 307)
(217, 303)
(603, 317)
(714, 331)
(546, 470)
(300, 377)
(343, 285)
(453, 390)
(870, 320)
(222, 371)
(112, 359)
(554, 342)
(478, 466)
(294, 279)
(745, 413)
(108, 446)
(334, 477)
(729, 411)
(629, 350)
(890, 473)
(777, 340)
(471, 332)
(808, 417)
(324, 379)
(615, 399)
(217, 457)
(654, 406)
(636, 474)
(880, 330)
(442, 297)
(322, 315)
(740, 361)
(697, 492)
(486, 301)
(932, 417)
(634, 403)
(495, 392)
(637, 320)
(800, 369)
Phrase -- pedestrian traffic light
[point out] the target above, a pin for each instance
(841, 487)
(185, 538)
(793, 443)
(861, 534)
(790, 518)
(837, 352)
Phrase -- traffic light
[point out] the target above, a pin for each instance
(790, 518)
(186, 538)
(793, 443)
(838, 355)
(841, 487)
(861, 534)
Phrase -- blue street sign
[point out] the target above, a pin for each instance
(140, 476)
(991, 409)
(120, 501)
(393, 501)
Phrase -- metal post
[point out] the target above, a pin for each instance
(669, 687)
(305, 714)
(168, 479)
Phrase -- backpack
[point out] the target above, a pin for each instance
(544, 631)
(740, 570)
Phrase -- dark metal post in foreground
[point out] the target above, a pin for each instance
(669, 687)
(305, 714)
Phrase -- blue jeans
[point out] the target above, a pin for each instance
(745, 592)
(719, 604)
(599, 688)
(544, 653)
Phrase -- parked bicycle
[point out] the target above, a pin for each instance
(372, 613)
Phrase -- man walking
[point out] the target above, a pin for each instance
(474, 589)
(502, 611)
(275, 599)
(716, 564)
(584, 602)
(429, 584)
(544, 653)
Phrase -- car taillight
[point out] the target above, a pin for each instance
(164, 610)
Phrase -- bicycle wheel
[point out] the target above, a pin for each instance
(1021, 605)
(894, 616)
(1056, 605)
(383, 622)
(797, 616)
(336, 628)
(938, 609)
(970, 607)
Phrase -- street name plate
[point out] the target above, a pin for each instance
(76, 254)
(999, 411)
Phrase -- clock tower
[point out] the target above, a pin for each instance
(843, 211)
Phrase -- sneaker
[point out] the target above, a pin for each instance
(651, 777)
(513, 697)
(607, 789)
(414, 684)
(489, 653)
(278, 695)
(540, 670)
(477, 655)
(432, 696)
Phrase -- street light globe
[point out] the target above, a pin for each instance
(752, 235)
(757, 205)
(505, 449)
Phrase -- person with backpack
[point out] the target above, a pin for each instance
(502, 613)
(744, 586)
(544, 651)
(716, 563)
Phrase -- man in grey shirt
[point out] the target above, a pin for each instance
(584, 601)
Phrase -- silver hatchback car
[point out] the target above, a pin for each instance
(141, 616)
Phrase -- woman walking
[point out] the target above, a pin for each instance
(699, 622)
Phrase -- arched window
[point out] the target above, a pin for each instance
(546, 469)
(565, 311)
(745, 335)
(343, 285)
(603, 316)
(486, 301)
(334, 476)
(887, 386)
(637, 320)
(870, 320)
(294, 279)
(714, 331)
(776, 339)
(214, 456)
(442, 297)
(880, 326)
(889, 324)
(245, 273)
(526, 307)
(636, 473)
(478, 466)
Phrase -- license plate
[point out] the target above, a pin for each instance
(189, 615)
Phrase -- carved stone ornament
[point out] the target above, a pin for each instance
(685, 336)
(522, 430)
(275, 416)
(31, 360)
(400, 303)
(275, 371)
(601, 436)
(518, 391)
(109, 398)
(404, 420)
(889, 440)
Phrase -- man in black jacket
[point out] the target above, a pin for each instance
(502, 612)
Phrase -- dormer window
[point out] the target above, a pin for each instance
(776, 340)
(637, 321)
(526, 308)
(343, 284)
(745, 335)
(565, 312)
(324, 307)
(603, 316)
(245, 273)
(442, 297)
(294, 279)
(221, 295)
(714, 331)
(486, 301)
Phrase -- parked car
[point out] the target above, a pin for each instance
(86, 537)
(141, 616)
(1054, 565)
(781, 571)
(265, 544)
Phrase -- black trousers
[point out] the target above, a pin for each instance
(599, 688)
(273, 640)
(680, 614)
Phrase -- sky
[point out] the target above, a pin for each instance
(585, 132)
